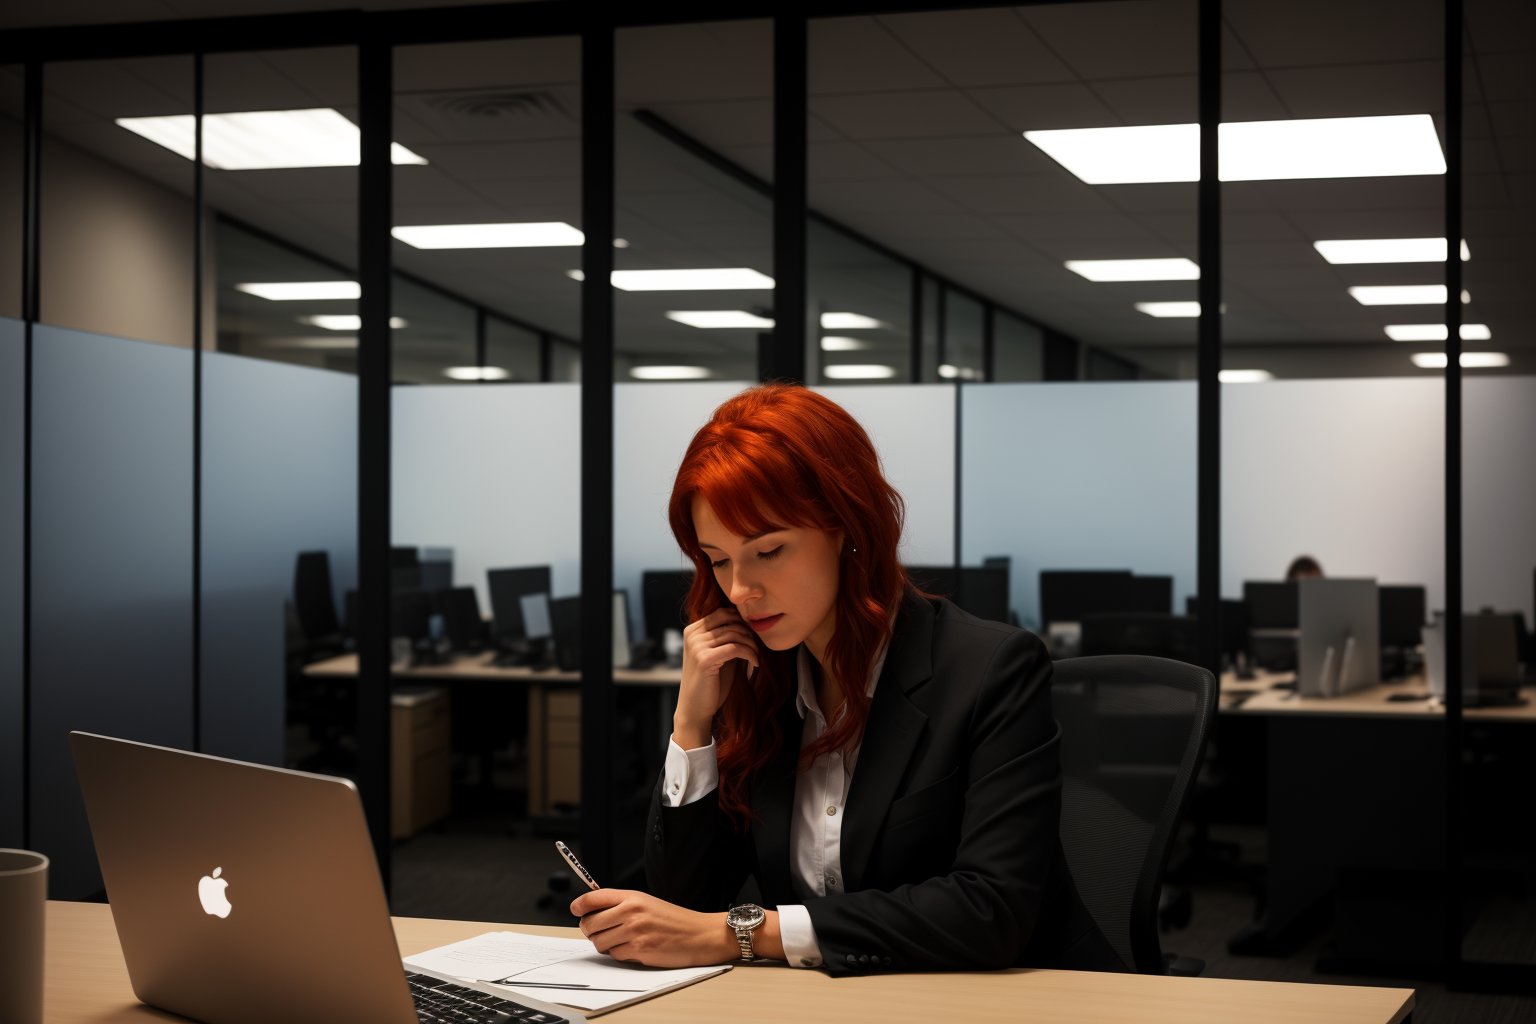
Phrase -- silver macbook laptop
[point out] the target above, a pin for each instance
(245, 894)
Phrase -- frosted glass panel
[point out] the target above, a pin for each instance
(1499, 494)
(913, 429)
(279, 477)
(111, 567)
(12, 464)
(493, 473)
(1348, 471)
(1079, 476)
(653, 424)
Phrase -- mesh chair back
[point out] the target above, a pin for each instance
(312, 600)
(1133, 730)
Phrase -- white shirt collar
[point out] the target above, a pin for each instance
(805, 693)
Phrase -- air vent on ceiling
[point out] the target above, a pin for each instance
(482, 113)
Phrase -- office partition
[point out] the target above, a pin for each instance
(13, 725)
(111, 567)
(278, 477)
(1079, 476)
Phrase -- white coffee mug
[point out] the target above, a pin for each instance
(23, 901)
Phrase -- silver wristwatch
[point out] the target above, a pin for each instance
(744, 919)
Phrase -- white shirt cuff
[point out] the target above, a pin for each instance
(688, 774)
(798, 935)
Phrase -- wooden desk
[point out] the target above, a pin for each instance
(1371, 702)
(554, 712)
(87, 982)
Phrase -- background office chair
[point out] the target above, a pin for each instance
(1133, 730)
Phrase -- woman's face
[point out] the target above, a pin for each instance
(783, 583)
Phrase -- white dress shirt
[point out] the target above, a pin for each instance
(816, 824)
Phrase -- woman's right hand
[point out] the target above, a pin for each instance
(716, 651)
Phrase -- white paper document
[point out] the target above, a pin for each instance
(565, 971)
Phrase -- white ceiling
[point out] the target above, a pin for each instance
(915, 123)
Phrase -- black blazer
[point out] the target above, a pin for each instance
(950, 850)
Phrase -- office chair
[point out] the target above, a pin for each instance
(314, 605)
(1133, 730)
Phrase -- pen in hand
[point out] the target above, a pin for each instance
(576, 865)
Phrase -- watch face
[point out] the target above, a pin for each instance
(746, 916)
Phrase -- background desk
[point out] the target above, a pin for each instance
(87, 981)
(1355, 803)
(554, 712)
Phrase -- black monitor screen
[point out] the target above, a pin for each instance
(984, 592)
(942, 580)
(507, 587)
(1403, 614)
(403, 556)
(1066, 595)
(460, 609)
(1271, 605)
(435, 575)
(410, 615)
(1233, 625)
(662, 595)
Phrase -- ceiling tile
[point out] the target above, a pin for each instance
(1170, 99)
(861, 55)
(724, 123)
(1306, 33)
(1036, 193)
(1410, 87)
(978, 47)
(908, 115)
(894, 198)
(990, 154)
(687, 63)
(1038, 107)
(1119, 40)
(842, 161)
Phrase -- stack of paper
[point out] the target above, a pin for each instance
(565, 971)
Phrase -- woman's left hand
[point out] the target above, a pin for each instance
(636, 926)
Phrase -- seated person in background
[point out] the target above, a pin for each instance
(1303, 567)
(882, 762)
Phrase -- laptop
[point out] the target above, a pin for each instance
(245, 894)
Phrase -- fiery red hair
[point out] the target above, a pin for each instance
(774, 457)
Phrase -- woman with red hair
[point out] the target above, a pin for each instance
(819, 685)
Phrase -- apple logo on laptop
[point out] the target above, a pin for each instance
(210, 891)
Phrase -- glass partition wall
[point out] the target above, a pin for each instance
(486, 484)
(1497, 886)
(1333, 153)
(13, 738)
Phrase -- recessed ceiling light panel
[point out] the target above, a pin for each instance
(254, 140)
(669, 372)
(1402, 295)
(1436, 332)
(488, 236)
(835, 343)
(297, 291)
(476, 373)
(858, 371)
(345, 321)
(849, 322)
(1169, 309)
(1386, 250)
(723, 319)
(1469, 360)
(1177, 269)
(1244, 376)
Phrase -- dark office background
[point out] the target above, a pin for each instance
(170, 442)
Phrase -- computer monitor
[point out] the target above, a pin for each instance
(535, 611)
(507, 587)
(1403, 616)
(935, 579)
(1152, 633)
(313, 602)
(984, 591)
(1066, 595)
(1339, 644)
(565, 626)
(410, 615)
(1148, 595)
(1270, 605)
(435, 575)
(1233, 626)
(460, 609)
(663, 592)
(403, 556)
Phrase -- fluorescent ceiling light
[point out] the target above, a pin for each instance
(1403, 295)
(488, 236)
(849, 322)
(832, 343)
(719, 318)
(1179, 269)
(668, 372)
(1244, 376)
(1386, 250)
(1163, 309)
(254, 140)
(476, 373)
(858, 371)
(1470, 360)
(1321, 147)
(295, 291)
(336, 343)
(621, 243)
(344, 321)
(709, 279)
(951, 372)
(1436, 332)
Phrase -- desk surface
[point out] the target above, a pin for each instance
(478, 667)
(1371, 702)
(88, 982)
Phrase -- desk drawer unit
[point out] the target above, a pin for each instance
(554, 769)
(420, 763)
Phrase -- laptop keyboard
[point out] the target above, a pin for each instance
(443, 1002)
